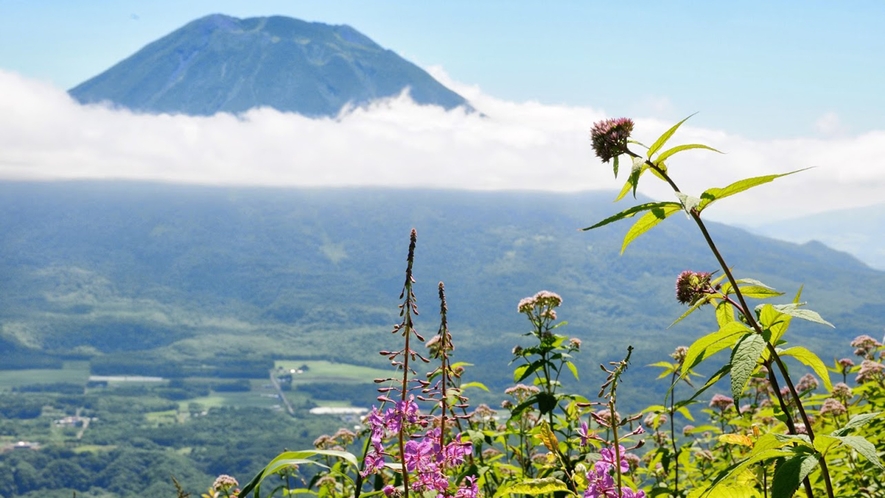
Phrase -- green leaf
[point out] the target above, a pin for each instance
(759, 291)
(811, 360)
(663, 138)
(774, 321)
(754, 457)
(864, 447)
(626, 188)
(711, 344)
(629, 213)
(297, 457)
(479, 385)
(790, 474)
(648, 220)
(616, 166)
(533, 487)
(823, 443)
(714, 194)
(855, 422)
(724, 313)
(744, 359)
(796, 310)
(706, 300)
(571, 366)
(528, 371)
(679, 148)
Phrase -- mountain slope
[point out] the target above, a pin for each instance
(859, 231)
(175, 272)
(224, 64)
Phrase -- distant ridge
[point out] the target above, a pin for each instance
(220, 63)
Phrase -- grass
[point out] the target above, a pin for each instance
(73, 372)
(327, 371)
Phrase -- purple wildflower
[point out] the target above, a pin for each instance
(610, 137)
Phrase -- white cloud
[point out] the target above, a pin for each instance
(829, 124)
(46, 135)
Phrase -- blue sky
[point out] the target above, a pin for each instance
(758, 69)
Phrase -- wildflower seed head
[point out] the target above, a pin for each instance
(609, 137)
(692, 286)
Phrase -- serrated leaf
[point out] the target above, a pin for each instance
(755, 457)
(811, 360)
(739, 439)
(823, 443)
(776, 322)
(864, 447)
(679, 148)
(547, 437)
(629, 213)
(790, 474)
(724, 313)
(744, 359)
(543, 486)
(626, 188)
(646, 222)
(663, 138)
(759, 292)
(714, 194)
(855, 422)
(711, 344)
(796, 310)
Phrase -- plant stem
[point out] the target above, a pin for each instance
(745, 310)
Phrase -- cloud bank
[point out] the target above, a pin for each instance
(45, 135)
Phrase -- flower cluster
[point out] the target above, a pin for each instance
(692, 286)
(610, 136)
(423, 455)
(600, 480)
(224, 486)
(721, 402)
(544, 299)
(865, 345)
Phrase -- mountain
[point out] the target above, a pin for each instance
(858, 231)
(135, 275)
(224, 64)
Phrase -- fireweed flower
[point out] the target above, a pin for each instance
(601, 481)
(610, 136)
(692, 286)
